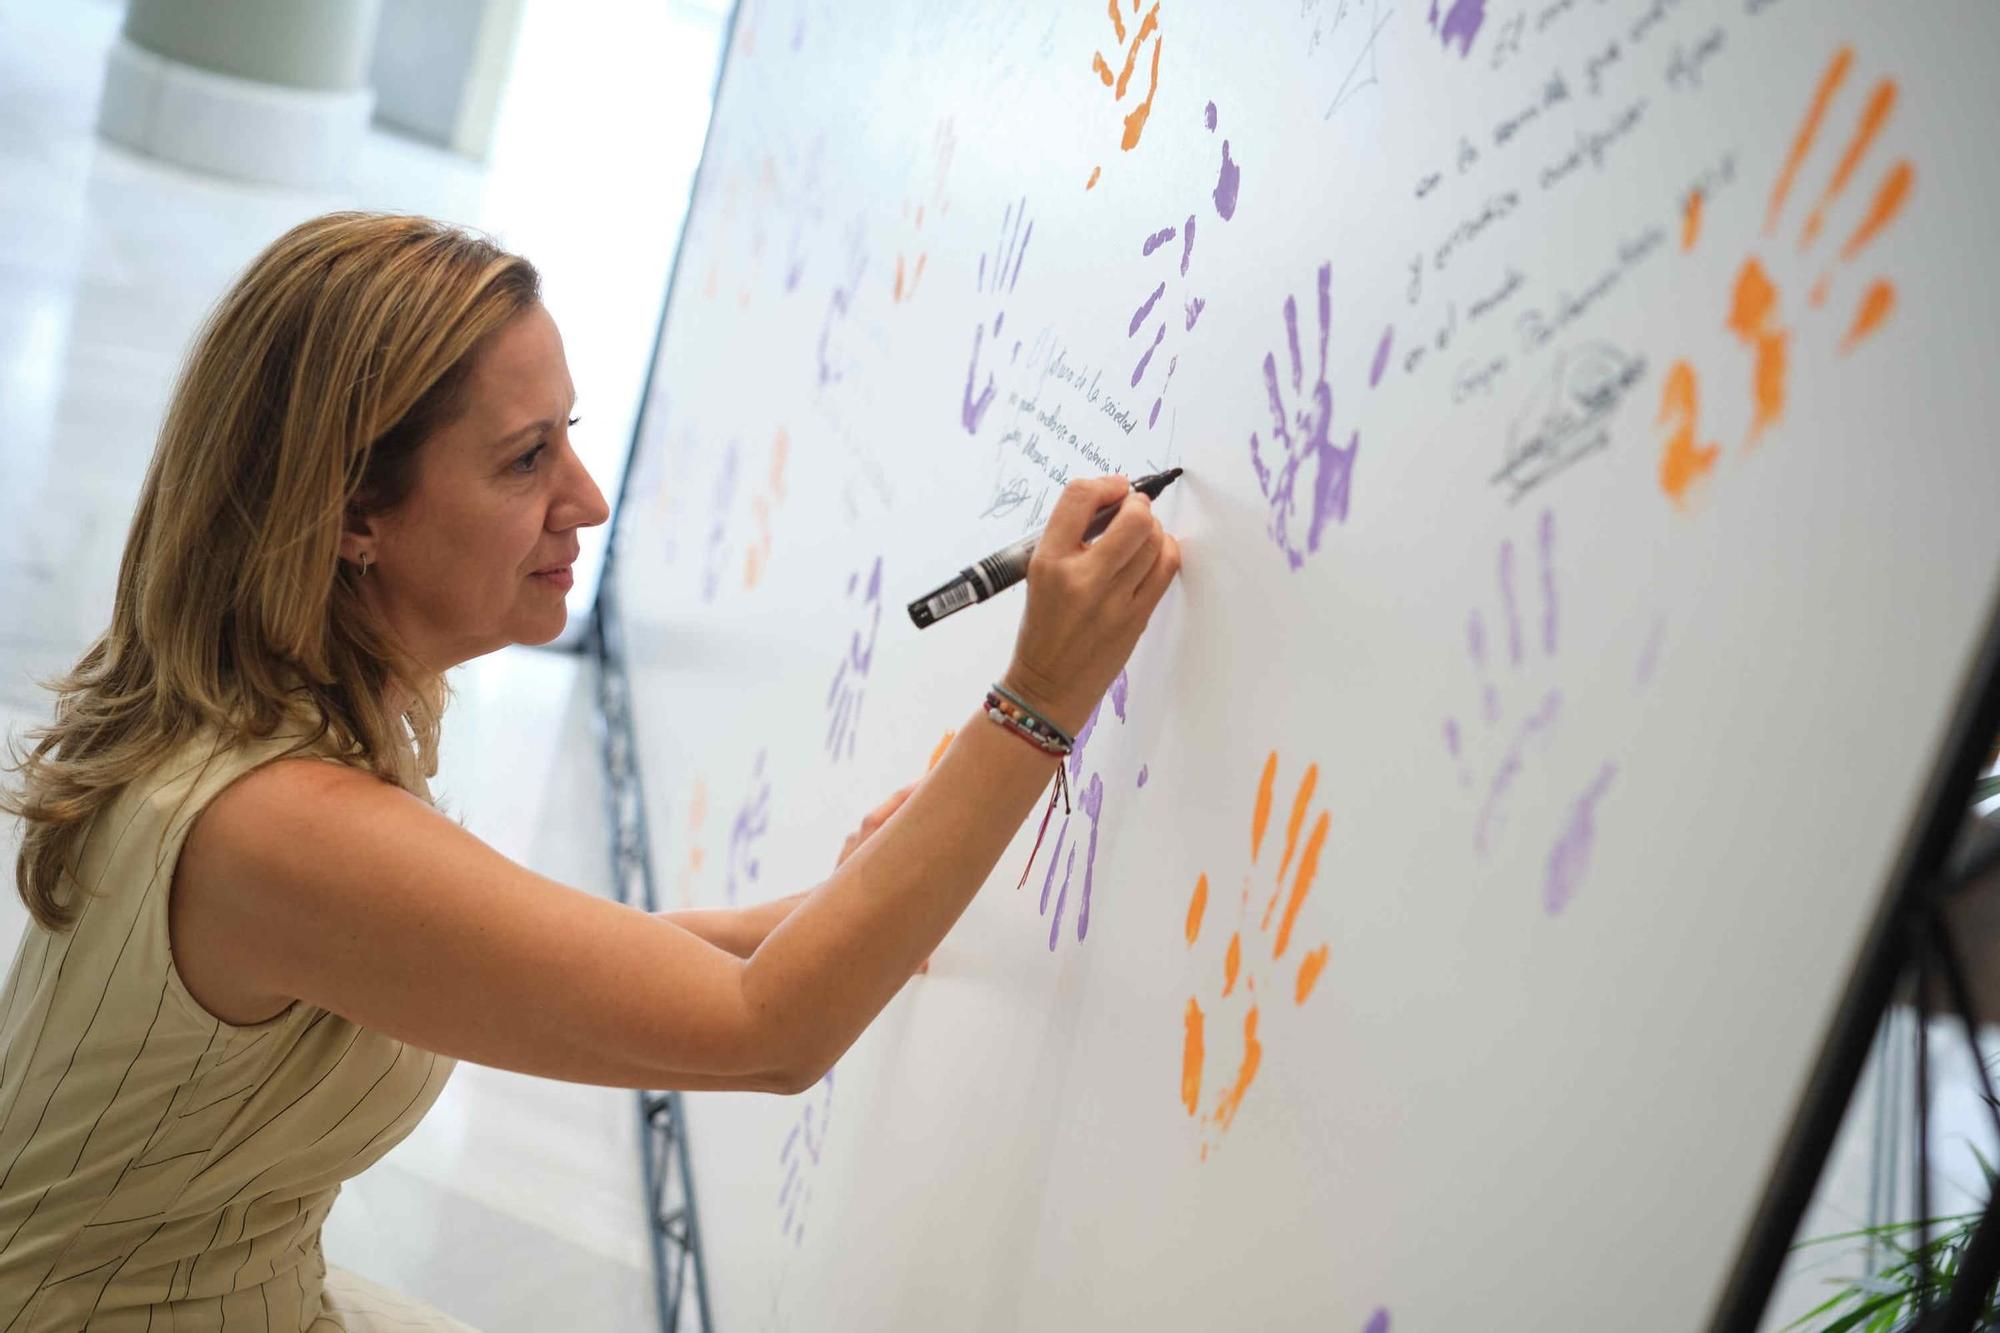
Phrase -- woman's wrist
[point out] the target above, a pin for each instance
(1046, 698)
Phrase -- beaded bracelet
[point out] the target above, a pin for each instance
(1005, 708)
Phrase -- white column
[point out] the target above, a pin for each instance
(243, 88)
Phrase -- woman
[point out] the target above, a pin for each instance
(257, 948)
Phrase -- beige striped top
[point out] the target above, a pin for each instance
(160, 1168)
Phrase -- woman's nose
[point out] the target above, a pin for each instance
(583, 503)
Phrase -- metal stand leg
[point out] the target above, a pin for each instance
(663, 1142)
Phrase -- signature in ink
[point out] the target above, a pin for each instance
(1013, 493)
(1567, 417)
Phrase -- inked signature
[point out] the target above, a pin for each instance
(1018, 495)
(1567, 416)
(1011, 496)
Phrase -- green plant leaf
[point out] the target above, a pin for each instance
(1855, 1318)
(1849, 1294)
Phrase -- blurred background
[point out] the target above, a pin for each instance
(147, 153)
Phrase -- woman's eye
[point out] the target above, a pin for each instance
(526, 462)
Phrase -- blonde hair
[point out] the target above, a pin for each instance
(302, 406)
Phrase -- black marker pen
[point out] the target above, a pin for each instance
(1009, 565)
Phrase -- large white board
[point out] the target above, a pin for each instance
(1589, 521)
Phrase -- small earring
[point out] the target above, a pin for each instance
(365, 558)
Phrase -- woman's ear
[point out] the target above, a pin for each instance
(356, 537)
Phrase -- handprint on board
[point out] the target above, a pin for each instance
(1303, 438)
(758, 557)
(843, 699)
(1458, 25)
(750, 20)
(1243, 959)
(833, 360)
(998, 272)
(752, 822)
(1522, 730)
(1229, 178)
(722, 503)
(1089, 806)
(690, 868)
(1756, 316)
(910, 271)
(1134, 121)
(799, 1158)
(713, 227)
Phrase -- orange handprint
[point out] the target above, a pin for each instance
(1756, 308)
(909, 272)
(758, 557)
(1234, 966)
(1135, 119)
(697, 809)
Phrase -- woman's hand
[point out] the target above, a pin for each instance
(1087, 605)
(873, 820)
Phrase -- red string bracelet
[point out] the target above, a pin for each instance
(1008, 712)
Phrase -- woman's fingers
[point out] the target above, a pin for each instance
(1165, 567)
(1075, 507)
(1127, 537)
(1078, 627)
(880, 814)
(872, 821)
(1145, 549)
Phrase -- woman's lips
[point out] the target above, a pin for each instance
(559, 578)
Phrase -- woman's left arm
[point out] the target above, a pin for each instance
(739, 930)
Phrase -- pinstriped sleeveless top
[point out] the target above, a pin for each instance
(160, 1168)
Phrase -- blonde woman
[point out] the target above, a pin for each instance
(257, 949)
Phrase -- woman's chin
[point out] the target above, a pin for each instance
(544, 628)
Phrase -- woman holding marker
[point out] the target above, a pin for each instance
(257, 949)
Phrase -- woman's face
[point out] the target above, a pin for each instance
(478, 555)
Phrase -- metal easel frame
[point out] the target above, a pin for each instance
(1909, 932)
(671, 1218)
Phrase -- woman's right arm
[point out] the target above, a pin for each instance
(308, 881)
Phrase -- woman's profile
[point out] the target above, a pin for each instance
(257, 949)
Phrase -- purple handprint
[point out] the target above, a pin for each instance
(1305, 437)
(843, 699)
(720, 505)
(1091, 802)
(1228, 180)
(1459, 25)
(833, 364)
(752, 821)
(1529, 640)
(800, 1155)
(998, 272)
(1537, 722)
(1569, 859)
(1228, 177)
(804, 203)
